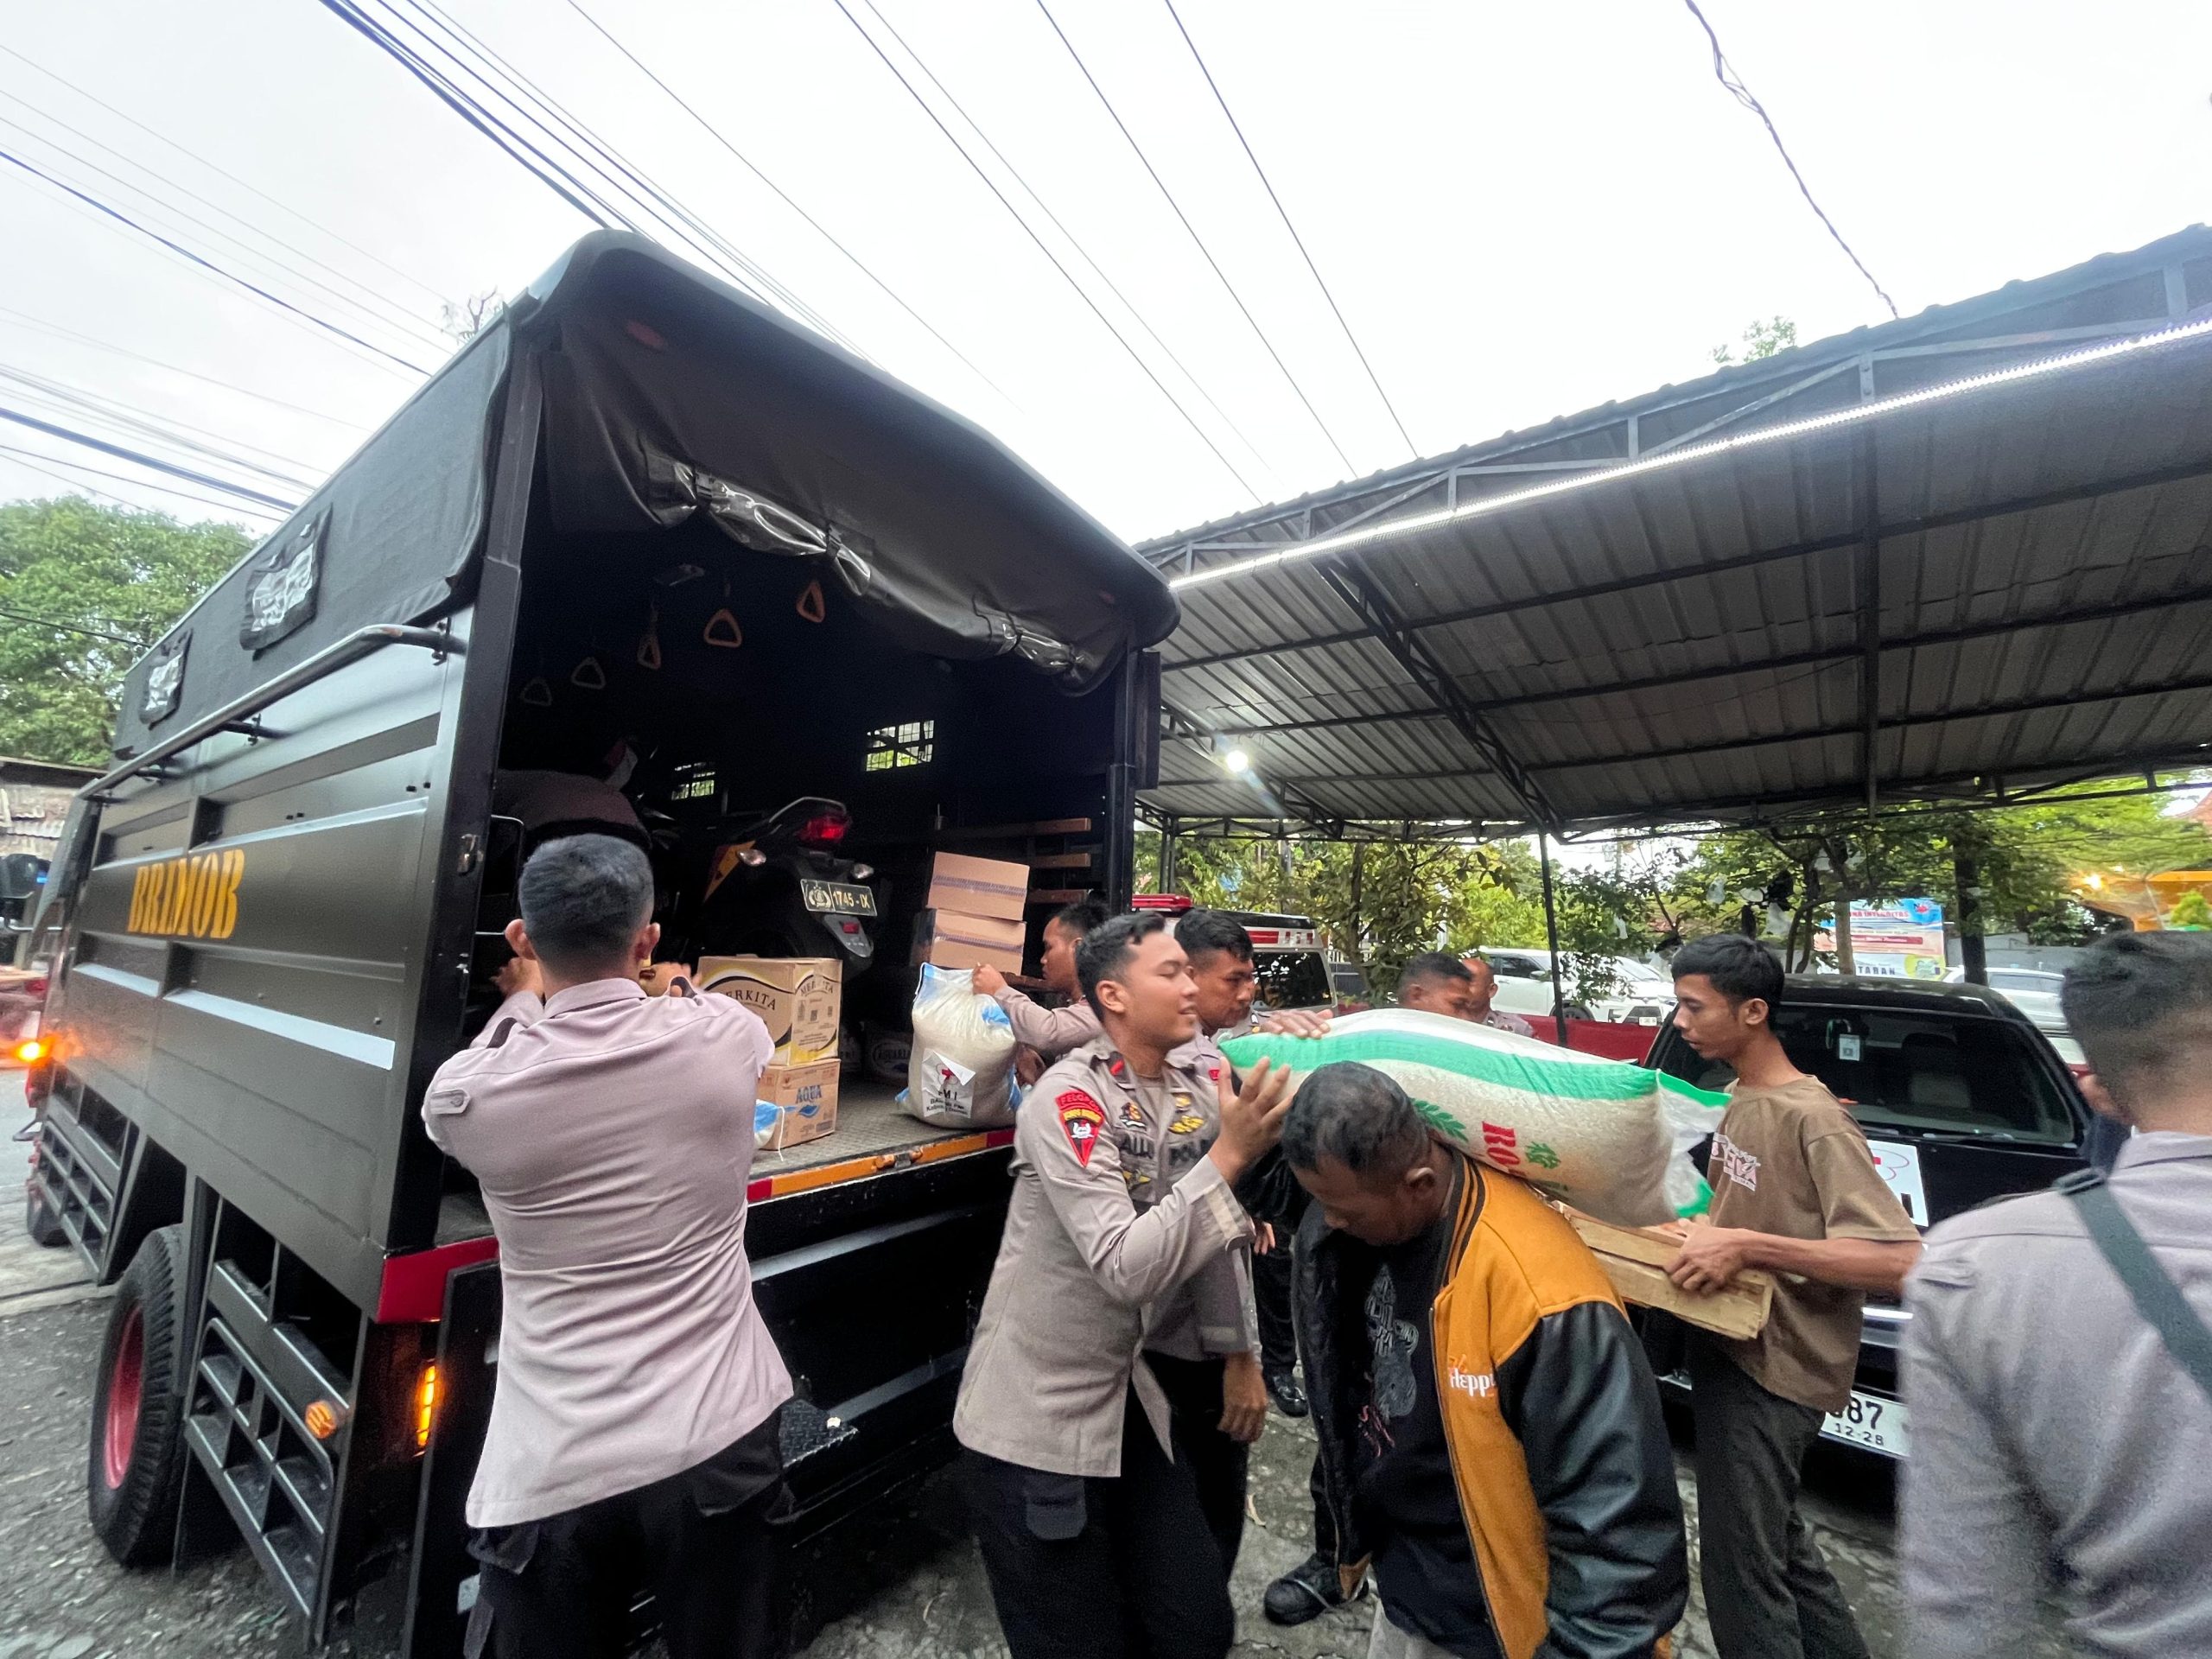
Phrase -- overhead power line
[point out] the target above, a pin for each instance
(24, 320)
(1082, 293)
(416, 330)
(72, 627)
(33, 458)
(1053, 219)
(138, 460)
(745, 161)
(201, 161)
(206, 264)
(76, 401)
(1726, 75)
(1284, 213)
(1199, 241)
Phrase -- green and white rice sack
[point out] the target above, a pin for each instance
(1604, 1135)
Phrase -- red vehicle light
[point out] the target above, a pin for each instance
(35, 988)
(1174, 903)
(825, 830)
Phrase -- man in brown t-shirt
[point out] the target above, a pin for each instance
(1794, 1191)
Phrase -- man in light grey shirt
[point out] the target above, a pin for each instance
(2058, 1446)
(634, 1440)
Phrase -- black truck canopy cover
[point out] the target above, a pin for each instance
(668, 393)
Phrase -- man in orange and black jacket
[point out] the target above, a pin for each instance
(1492, 1446)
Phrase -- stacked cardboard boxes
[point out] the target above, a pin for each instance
(800, 999)
(976, 910)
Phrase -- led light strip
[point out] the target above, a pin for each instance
(1485, 505)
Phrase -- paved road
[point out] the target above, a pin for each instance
(905, 1586)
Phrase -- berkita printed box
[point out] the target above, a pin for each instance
(803, 1100)
(979, 886)
(798, 998)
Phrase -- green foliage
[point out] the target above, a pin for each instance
(109, 569)
(2191, 913)
(1762, 338)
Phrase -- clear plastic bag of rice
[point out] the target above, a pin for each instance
(1606, 1136)
(960, 1072)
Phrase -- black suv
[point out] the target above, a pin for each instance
(1962, 1100)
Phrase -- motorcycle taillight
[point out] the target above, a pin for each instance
(824, 829)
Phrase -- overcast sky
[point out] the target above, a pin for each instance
(1524, 210)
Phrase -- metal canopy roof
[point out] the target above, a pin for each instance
(1953, 557)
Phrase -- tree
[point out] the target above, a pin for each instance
(84, 590)
(1761, 339)
(464, 321)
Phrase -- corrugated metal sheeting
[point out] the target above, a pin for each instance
(2008, 584)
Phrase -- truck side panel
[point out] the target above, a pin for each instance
(221, 1009)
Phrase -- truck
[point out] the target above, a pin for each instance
(640, 529)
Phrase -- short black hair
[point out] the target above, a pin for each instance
(1433, 968)
(1106, 950)
(1359, 1116)
(1739, 967)
(583, 899)
(2141, 1005)
(1202, 933)
(1080, 918)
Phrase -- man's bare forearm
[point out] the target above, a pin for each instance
(1850, 1263)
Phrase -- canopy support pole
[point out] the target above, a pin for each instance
(1551, 936)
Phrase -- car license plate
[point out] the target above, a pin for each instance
(838, 898)
(1872, 1422)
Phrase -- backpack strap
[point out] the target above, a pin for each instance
(2157, 1298)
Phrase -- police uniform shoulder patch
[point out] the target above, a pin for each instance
(1081, 1119)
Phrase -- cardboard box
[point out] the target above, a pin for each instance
(956, 940)
(1636, 1258)
(798, 998)
(805, 1101)
(979, 886)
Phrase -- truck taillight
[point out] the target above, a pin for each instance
(31, 1050)
(426, 1406)
(37, 989)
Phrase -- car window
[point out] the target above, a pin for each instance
(1292, 979)
(2025, 980)
(1901, 1070)
(1516, 967)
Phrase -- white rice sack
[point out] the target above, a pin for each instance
(960, 1072)
(1594, 1132)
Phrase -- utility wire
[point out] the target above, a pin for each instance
(24, 320)
(203, 161)
(1724, 73)
(70, 627)
(31, 458)
(75, 401)
(1013, 172)
(1284, 213)
(208, 264)
(1081, 292)
(136, 459)
(397, 317)
(715, 133)
(701, 234)
(1197, 240)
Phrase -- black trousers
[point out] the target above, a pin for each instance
(1120, 1568)
(704, 1542)
(1767, 1592)
(1218, 1463)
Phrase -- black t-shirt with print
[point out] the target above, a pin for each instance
(1402, 1490)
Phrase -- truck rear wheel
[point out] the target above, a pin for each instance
(138, 1444)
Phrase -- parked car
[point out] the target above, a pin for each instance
(1962, 1100)
(1641, 994)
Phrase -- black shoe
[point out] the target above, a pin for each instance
(1308, 1591)
(1283, 1390)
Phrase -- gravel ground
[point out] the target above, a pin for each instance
(905, 1585)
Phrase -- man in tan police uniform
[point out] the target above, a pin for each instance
(634, 1440)
(1094, 1535)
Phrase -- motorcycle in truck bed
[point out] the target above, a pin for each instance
(640, 530)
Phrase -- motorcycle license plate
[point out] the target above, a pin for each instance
(837, 897)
